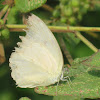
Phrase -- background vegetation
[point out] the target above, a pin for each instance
(78, 35)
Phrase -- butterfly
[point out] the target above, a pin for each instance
(38, 60)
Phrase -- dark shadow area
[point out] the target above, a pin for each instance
(90, 20)
(95, 73)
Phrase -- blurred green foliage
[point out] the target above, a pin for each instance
(1, 5)
(73, 12)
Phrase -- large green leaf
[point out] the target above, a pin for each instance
(67, 98)
(84, 77)
(28, 5)
(85, 64)
(93, 61)
(86, 86)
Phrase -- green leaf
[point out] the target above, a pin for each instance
(85, 64)
(84, 78)
(24, 98)
(93, 61)
(67, 98)
(83, 86)
(28, 5)
(12, 16)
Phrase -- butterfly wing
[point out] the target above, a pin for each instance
(38, 60)
(41, 34)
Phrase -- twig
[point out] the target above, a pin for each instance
(5, 17)
(17, 29)
(13, 26)
(47, 7)
(73, 28)
(89, 44)
(3, 11)
(24, 19)
(66, 52)
(59, 29)
(2, 53)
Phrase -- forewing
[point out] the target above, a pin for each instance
(41, 34)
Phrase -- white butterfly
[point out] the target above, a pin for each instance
(38, 59)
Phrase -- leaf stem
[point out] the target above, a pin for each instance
(88, 43)
(2, 53)
(5, 17)
(65, 50)
(59, 29)
(74, 28)
(47, 7)
(3, 11)
(16, 26)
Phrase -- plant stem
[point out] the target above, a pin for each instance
(73, 28)
(24, 19)
(16, 26)
(2, 53)
(3, 11)
(88, 43)
(6, 15)
(47, 7)
(59, 29)
(64, 49)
